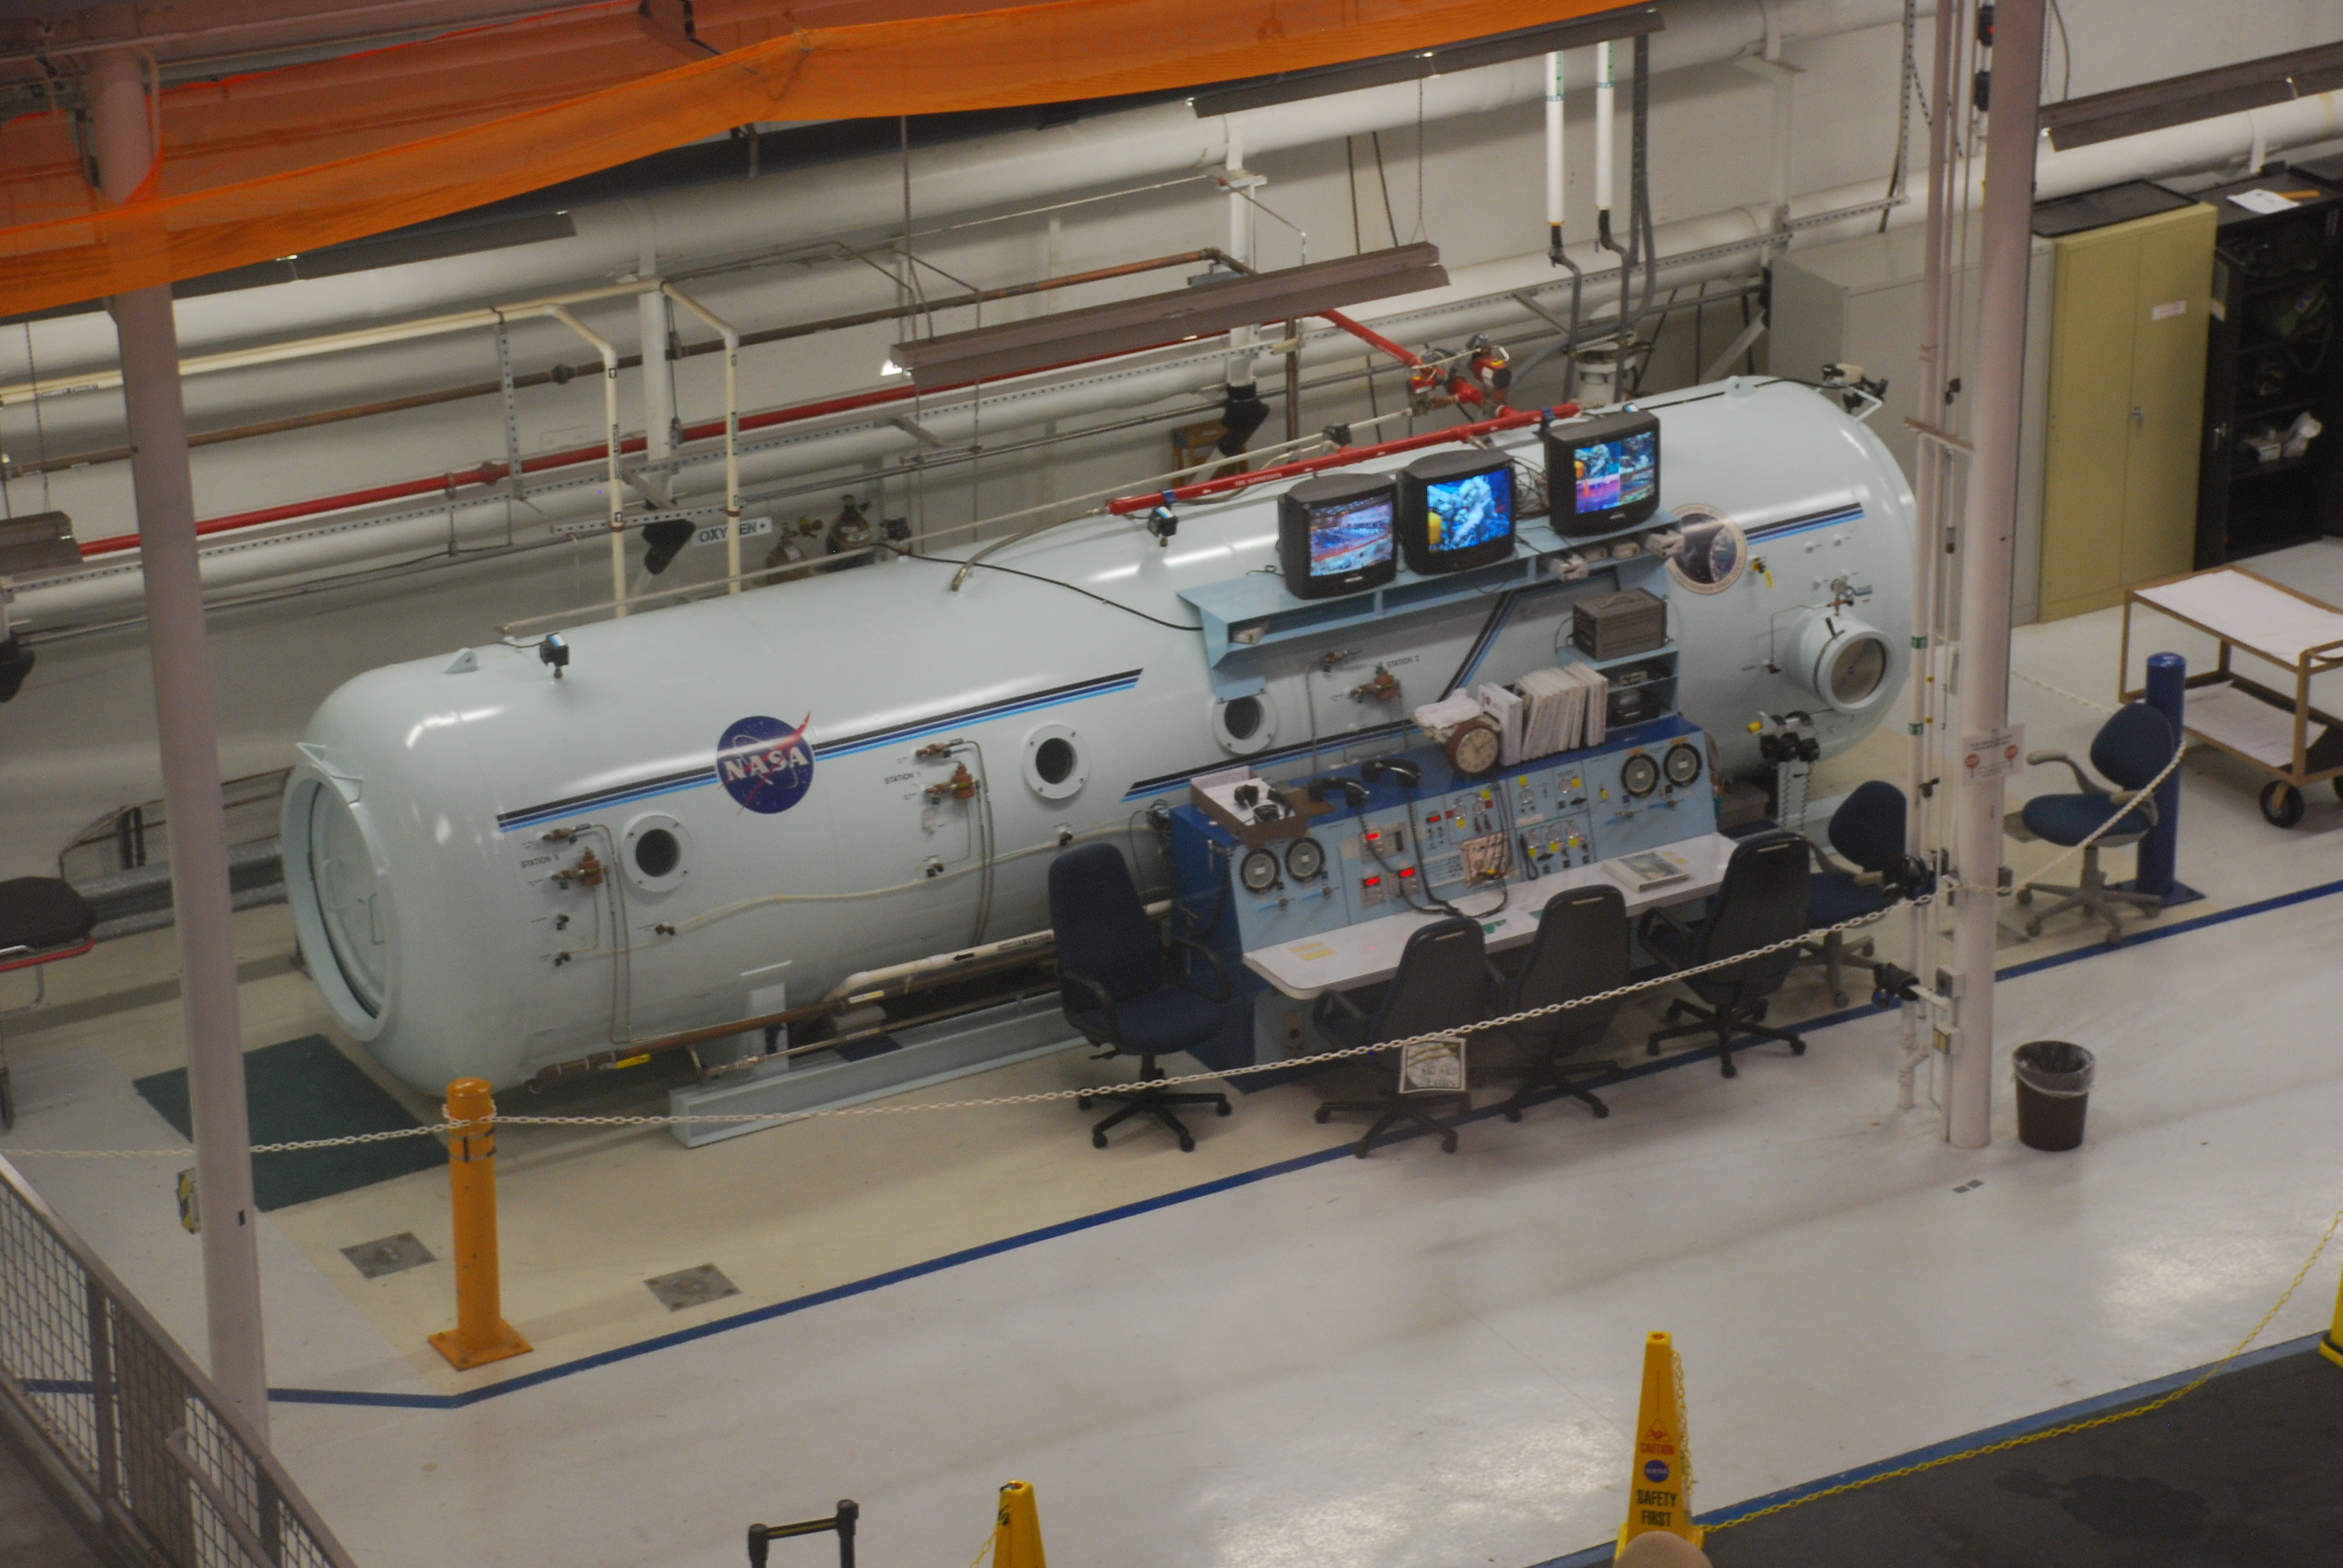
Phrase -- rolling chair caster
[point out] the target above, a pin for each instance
(1098, 1140)
(1325, 1113)
(1081, 1102)
(1512, 1114)
(1725, 1068)
(1187, 1144)
(1221, 1106)
(2024, 894)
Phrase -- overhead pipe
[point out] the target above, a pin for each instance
(1478, 298)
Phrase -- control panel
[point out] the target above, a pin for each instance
(1409, 832)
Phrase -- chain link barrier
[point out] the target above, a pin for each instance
(2089, 702)
(2065, 1429)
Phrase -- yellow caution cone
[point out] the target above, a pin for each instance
(1017, 1530)
(1659, 1488)
(2331, 1347)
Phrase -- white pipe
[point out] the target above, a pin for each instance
(612, 436)
(1478, 298)
(164, 488)
(1988, 549)
(731, 428)
(863, 980)
(1605, 113)
(863, 195)
(1553, 151)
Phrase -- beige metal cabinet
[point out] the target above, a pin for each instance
(2126, 402)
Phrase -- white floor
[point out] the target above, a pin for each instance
(1416, 1358)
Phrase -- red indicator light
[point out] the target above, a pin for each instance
(1407, 871)
(1373, 883)
(1374, 838)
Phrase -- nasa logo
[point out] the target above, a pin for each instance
(765, 764)
(1655, 1471)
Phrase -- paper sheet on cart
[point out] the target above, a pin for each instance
(2251, 612)
(2245, 723)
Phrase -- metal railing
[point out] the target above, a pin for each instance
(173, 1475)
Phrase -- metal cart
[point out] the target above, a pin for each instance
(2277, 732)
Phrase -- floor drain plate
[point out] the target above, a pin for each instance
(390, 1255)
(691, 1287)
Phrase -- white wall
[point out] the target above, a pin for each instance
(79, 741)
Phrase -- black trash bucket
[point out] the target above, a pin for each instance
(2053, 1092)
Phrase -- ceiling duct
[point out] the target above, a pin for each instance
(1119, 327)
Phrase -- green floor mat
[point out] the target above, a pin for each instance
(306, 1089)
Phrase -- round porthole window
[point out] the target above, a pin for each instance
(1843, 661)
(1056, 762)
(656, 850)
(1244, 725)
(1715, 553)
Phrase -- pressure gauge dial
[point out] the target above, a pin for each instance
(1473, 747)
(1304, 860)
(1682, 764)
(1639, 774)
(1258, 871)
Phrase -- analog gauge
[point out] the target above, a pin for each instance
(1258, 871)
(1304, 860)
(1639, 774)
(1472, 747)
(1681, 764)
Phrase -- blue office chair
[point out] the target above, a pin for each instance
(1114, 984)
(2131, 749)
(1580, 949)
(1762, 902)
(1867, 829)
(1441, 982)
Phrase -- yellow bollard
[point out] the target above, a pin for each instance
(480, 1335)
(1659, 1486)
(2331, 1347)
(1017, 1532)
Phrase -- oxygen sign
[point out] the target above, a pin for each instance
(765, 764)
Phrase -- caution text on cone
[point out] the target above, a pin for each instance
(1659, 1486)
(1016, 1529)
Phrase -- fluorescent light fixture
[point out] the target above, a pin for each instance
(2199, 96)
(1290, 87)
(1200, 310)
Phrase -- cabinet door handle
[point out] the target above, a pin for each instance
(2138, 417)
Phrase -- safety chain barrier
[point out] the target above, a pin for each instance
(779, 1117)
(2067, 1427)
(2091, 703)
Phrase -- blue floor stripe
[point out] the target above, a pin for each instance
(1183, 1195)
(2042, 1420)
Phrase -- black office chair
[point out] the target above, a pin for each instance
(2131, 748)
(1762, 901)
(1441, 983)
(1580, 949)
(1867, 828)
(1113, 985)
(42, 919)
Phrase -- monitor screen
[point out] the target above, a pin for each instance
(1467, 513)
(1351, 536)
(1618, 473)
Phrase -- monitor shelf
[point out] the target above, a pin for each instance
(1246, 617)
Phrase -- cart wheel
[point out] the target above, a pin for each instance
(2281, 803)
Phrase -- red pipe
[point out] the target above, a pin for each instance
(1364, 334)
(495, 473)
(1125, 505)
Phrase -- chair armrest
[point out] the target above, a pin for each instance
(2145, 800)
(1099, 995)
(1220, 970)
(2083, 782)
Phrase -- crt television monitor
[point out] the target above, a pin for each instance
(1603, 474)
(1335, 534)
(1456, 510)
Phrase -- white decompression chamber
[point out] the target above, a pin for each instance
(493, 870)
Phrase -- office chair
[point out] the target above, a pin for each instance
(1112, 984)
(1580, 949)
(1763, 900)
(2131, 748)
(1441, 982)
(1867, 828)
(42, 919)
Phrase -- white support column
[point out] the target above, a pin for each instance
(611, 436)
(731, 428)
(1555, 166)
(1987, 547)
(659, 389)
(157, 419)
(1605, 133)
